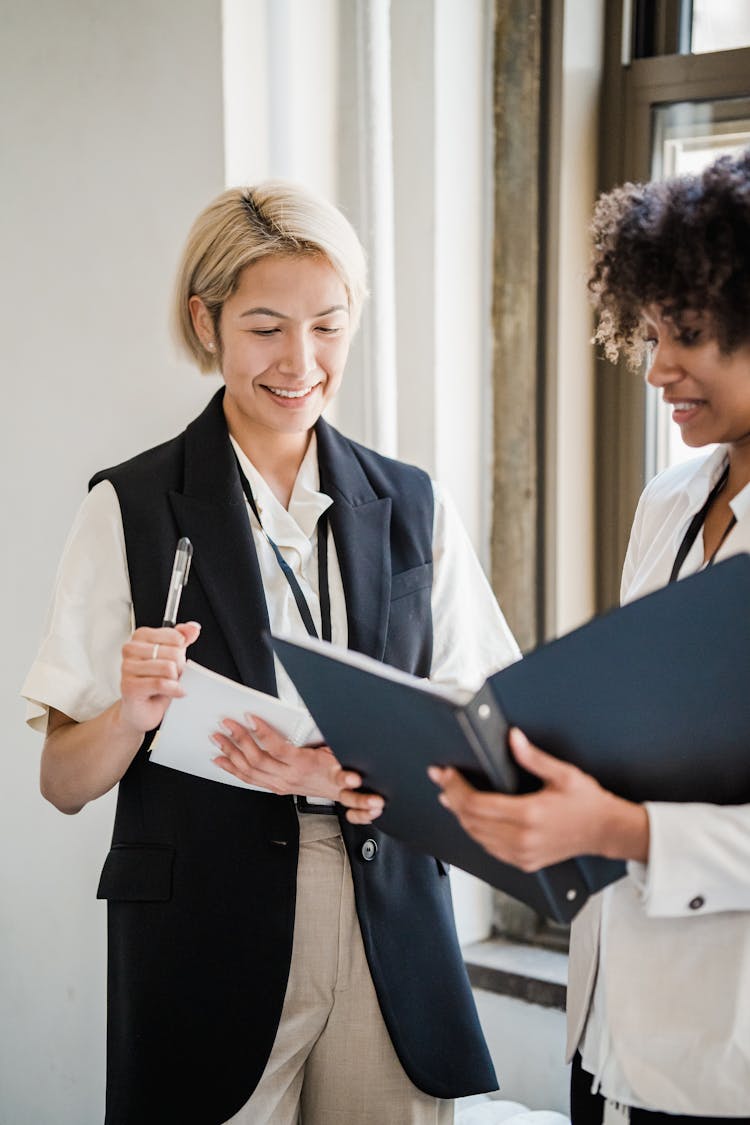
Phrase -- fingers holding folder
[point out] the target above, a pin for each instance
(570, 815)
(362, 808)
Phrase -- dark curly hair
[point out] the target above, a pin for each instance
(682, 245)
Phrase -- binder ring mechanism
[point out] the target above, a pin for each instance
(484, 712)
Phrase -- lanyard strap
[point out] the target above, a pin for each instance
(697, 523)
(323, 589)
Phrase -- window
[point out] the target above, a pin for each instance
(719, 25)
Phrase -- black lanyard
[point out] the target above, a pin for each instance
(323, 591)
(697, 523)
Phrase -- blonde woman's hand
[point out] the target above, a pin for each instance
(153, 661)
(361, 808)
(255, 752)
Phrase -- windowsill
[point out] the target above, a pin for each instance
(526, 972)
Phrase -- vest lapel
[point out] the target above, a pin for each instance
(211, 512)
(360, 523)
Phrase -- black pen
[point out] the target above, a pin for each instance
(180, 571)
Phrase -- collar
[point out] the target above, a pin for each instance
(706, 476)
(740, 504)
(295, 526)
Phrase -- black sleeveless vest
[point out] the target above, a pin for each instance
(201, 877)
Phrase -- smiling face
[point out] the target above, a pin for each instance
(283, 342)
(708, 390)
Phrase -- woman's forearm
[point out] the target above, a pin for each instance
(81, 761)
(622, 830)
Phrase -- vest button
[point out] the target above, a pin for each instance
(697, 902)
(368, 850)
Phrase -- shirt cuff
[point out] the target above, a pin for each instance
(697, 864)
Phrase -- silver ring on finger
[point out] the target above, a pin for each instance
(155, 652)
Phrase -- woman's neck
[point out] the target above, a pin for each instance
(276, 456)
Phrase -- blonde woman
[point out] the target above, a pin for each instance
(268, 961)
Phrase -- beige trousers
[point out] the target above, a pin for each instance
(332, 1062)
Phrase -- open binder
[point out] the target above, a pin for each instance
(652, 699)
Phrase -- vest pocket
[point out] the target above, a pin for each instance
(410, 580)
(137, 873)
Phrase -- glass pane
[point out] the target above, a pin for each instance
(689, 135)
(686, 137)
(720, 25)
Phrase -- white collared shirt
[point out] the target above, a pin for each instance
(666, 884)
(77, 667)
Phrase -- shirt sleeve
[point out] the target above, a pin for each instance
(471, 638)
(77, 667)
(699, 856)
(633, 553)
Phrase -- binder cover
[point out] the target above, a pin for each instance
(653, 699)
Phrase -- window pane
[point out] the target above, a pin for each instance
(720, 25)
(689, 135)
(686, 137)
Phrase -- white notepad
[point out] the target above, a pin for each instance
(184, 739)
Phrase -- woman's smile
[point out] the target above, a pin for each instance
(685, 410)
(288, 397)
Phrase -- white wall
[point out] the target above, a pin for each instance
(442, 168)
(111, 141)
(281, 88)
(527, 1044)
(573, 418)
(442, 192)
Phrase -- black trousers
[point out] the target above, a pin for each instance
(588, 1109)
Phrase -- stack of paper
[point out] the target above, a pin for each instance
(184, 739)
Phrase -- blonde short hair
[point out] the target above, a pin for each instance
(243, 225)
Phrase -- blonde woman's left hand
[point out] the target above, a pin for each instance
(259, 755)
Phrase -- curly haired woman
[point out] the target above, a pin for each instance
(659, 990)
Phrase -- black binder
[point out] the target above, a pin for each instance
(652, 699)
